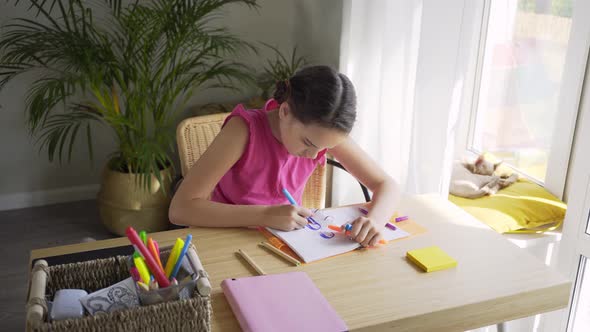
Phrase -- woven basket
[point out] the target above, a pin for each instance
(193, 314)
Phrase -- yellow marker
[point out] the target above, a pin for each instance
(174, 256)
(143, 286)
(144, 273)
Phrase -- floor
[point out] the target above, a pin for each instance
(33, 228)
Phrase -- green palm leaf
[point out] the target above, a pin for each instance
(278, 69)
(132, 71)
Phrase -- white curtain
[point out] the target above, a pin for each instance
(402, 57)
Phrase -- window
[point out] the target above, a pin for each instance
(519, 79)
(580, 317)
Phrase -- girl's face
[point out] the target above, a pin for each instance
(305, 140)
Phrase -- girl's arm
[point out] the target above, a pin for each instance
(385, 191)
(190, 205)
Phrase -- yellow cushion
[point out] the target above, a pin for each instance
(523, 205)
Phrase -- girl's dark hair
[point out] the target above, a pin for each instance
(320, 95)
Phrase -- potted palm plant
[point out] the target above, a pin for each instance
(279, 68)
(132, 69)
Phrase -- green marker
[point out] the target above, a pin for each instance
(143, 237)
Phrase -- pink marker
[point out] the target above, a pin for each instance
(134, 273)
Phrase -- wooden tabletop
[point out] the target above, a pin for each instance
(377, 289)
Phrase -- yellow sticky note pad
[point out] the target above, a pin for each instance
(431, 259)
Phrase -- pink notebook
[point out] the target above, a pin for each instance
(280, 302)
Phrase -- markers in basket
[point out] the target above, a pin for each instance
(143, 286)
(144, 273)
(153, 284)
(155, 252)
(178, 245)
(156, 246)
(187, 242)
(143, 237)
(134, 273)
(149, 260)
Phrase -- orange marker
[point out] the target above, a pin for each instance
(335, 228)
(339, 229)
(152, 248)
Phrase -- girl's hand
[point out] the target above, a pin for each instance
(286, 217)
(365, 231)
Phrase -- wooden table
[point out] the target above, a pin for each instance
(378, 289)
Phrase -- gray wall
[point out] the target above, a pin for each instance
(313, 25)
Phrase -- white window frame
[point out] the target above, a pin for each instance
(568, 103)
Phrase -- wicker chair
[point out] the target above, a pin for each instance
(194, 135)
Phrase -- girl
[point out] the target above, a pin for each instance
(259, 152)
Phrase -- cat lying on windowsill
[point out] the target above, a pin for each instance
(477, 179)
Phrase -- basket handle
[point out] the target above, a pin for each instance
(36, 304)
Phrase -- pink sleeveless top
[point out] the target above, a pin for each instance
(265, 167)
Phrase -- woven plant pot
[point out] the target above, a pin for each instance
(122, 202)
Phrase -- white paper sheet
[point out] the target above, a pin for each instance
(316, 242)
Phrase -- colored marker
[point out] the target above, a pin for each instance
(143, 237)
(390, 226)
(402, 218)
(143, 286)
(294, 203)
(347, 228)
(178, 245)
(187, 243)
(152, 247)
(289, 197)
(335, 228)
(149, 260)
(156, 245)
(144, 273)
(134, 273)
(153, 284)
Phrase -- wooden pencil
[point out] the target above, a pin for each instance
(279, 253)
(248, 259)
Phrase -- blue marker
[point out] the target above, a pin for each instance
(187, 242)
(289, 197)
(315, 224)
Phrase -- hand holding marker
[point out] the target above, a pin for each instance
(311, 222)
(347, 228)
